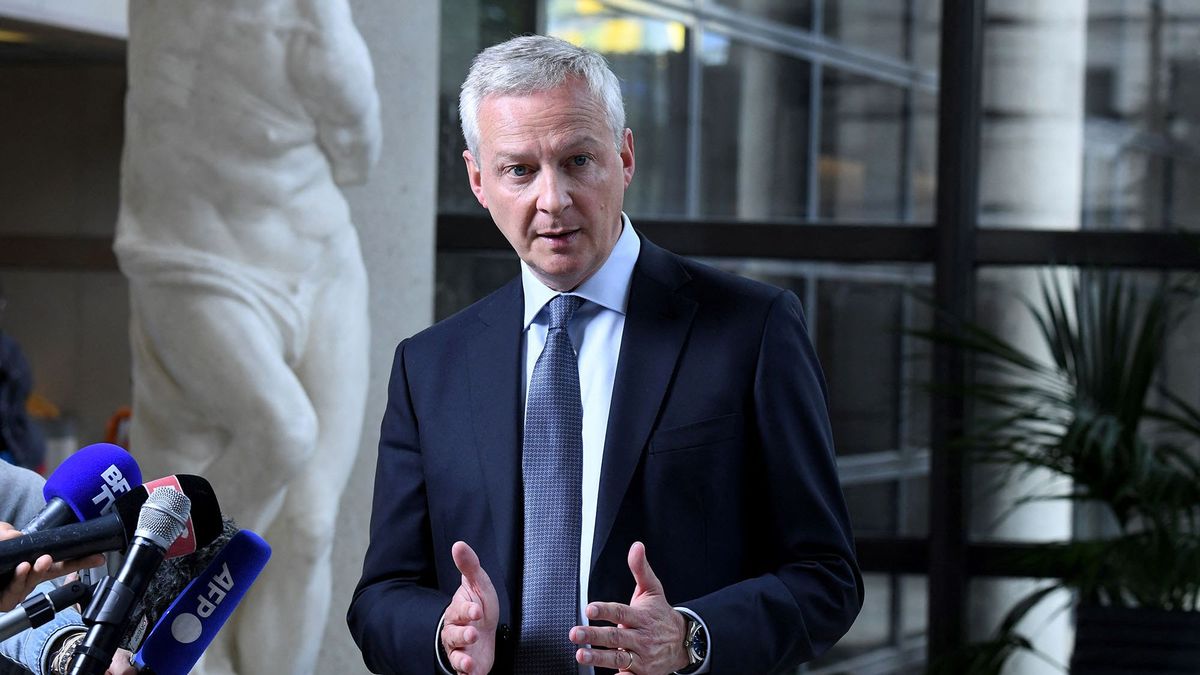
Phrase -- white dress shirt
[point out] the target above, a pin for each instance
(595, 331)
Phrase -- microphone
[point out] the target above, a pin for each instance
(85, 486)
(161, 520)
(38, 609)
(199, 612)
(205, 524)
(170, 580)
(106, 533)
(114, 531)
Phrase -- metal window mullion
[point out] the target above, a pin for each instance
(957, 217)
(813, 177)
(694, 128)
(908, 132)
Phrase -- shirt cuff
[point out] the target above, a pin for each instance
(708, 634)
(443, 660)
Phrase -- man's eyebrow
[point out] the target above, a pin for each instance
(582, 141)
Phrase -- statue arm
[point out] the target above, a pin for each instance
(330, 67)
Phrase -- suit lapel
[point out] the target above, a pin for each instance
(495, 371)
(656, 327)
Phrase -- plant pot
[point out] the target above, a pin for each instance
(1131, 641)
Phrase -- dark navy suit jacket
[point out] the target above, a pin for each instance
(718, 456)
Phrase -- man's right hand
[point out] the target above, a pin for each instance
(469, 624)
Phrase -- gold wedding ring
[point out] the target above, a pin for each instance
(630, 654)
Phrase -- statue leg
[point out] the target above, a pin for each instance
(285, 619)
(214, 396)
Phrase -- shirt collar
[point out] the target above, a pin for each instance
(608, 287)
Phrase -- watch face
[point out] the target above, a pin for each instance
(699, 646)
(697, 642)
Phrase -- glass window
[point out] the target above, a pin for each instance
(754, 132)
(464, 277)
(862, 149)
(906, 30)
(1091, 115)
(650, 56)
(468, 27)
(859, 337)
(881, 27)
(887, 637)
(797, 13)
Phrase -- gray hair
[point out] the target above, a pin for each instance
(532, 63)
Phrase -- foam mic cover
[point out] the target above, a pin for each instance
(85, 486)
(192, 621)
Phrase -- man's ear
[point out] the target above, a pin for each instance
(627, 163)
(475, 177)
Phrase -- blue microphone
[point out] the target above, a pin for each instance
(192, 621)
(85, 486)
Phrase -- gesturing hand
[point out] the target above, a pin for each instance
(469, 624)
(649, 633)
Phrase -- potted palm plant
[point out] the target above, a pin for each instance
(1096, 413)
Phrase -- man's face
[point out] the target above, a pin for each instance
(552, 180)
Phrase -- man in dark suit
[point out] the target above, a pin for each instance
(688, 428)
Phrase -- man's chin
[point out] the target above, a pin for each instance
(560, 277)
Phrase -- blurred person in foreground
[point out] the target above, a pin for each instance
(35, 650)
(620, 460)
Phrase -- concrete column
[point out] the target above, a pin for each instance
(1031, 176)
(395, 213)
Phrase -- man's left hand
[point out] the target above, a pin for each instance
(648, 636)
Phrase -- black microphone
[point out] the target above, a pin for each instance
(169, 581)
(160, 522)
(106, 533)
(38, 609)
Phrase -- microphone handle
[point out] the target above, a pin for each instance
(106, 533)
(39, 609)
(108, 613)
(56, 514)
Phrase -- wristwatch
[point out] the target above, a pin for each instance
(695, 644)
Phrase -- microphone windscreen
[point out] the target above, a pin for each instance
(192, 621)
(90, 480)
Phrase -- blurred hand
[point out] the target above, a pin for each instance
(26, 575)
(121, 664)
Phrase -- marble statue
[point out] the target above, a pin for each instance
(248, 292)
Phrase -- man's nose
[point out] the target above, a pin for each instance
(554, 195)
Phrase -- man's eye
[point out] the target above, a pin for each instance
(579, 160)
(519, 170)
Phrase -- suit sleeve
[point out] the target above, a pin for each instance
(396, 607)
(812, 590)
